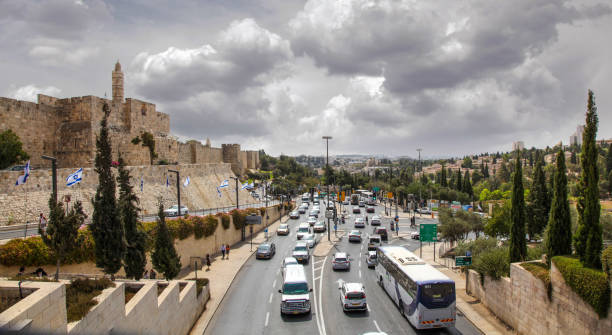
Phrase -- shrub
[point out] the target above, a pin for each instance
(476, 247)
(80, 295)
(198, 227)
(173, 227)
(239, 218)
(541, 271)
(27, 252)
(225, 221)
(535, 252)
(606, 261)
(494, 263)
(200, 283)
(591, 285)
(210, 225)
(184, 228)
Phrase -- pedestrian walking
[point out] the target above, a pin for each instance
(207, 262)
(146, 274)
(223, 251)
(366, 219)
(227, 248)
(152, 275)
(42, 222)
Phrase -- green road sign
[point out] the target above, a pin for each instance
(428, 232)
(376, 189)
(463, 260)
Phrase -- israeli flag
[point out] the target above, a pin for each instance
(75, 177)
(251, 186)
(24, 177)
(245, 186)
(225, 183)
(186, 182)
(141, 184)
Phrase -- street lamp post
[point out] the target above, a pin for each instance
(53, 174)
(178, 189)
(243, 237)
(419, 168)
(327, 138)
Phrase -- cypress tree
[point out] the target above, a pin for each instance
(443, 181)
(164, 257)
(573, 159)
(539, 204)
(588, 239)
(106, 225)
(609, 160)
(467, 184)
(459, 183)
(485, 172)
(518, 247)
(559, 237)
(135, 258)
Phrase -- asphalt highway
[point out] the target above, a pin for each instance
(252, 304)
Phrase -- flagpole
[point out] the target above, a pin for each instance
(25, 205)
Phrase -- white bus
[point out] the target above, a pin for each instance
(424, 295)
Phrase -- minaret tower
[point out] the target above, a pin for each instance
(118, 84)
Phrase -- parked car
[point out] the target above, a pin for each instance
(356, 210)
(312, 220)
(283, 229)
(265, 250)
(425, 210)
(376, 220)
(371, 259)
(301, 253)
(354, 236)
(374, 241)
(359, 223)
(415, 235)
(382, 231)
(310, 240)
(173, 211)
(294, 215)
(340, 261)
(353, 297)
(319, 227)
(370, 209)
(288, 261)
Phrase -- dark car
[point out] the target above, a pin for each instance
(265, 251)
(370, 209)
(382, 231)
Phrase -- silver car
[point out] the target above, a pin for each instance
(310, 240)
(371, 259)
(353, 297)
(341, 261)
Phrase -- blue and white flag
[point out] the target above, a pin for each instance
(219, 192)
(24, 177)
(186, 181)
(245, 186)
(167, 182)
(251, 186)
(224, 183)
(141, 184)
(75, 177)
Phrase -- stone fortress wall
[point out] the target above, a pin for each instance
(67, 129)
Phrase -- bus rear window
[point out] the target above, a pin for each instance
(437, 295)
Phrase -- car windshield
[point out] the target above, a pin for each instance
(283, 226)
(300, 248)
(303, 230)
(263, 248)
(374, 240)
(295, 288)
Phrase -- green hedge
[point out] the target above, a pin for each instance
(541, 271)
(225, 221)
(590, 284)
(606, 261)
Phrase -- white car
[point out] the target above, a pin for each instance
(288, 261)
(312, 220)
(310, 240)
(359, 223)
(425, 210)
(353, 297)
(173, 211)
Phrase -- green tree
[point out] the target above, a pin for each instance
(164, 257)
(559, 237)
(452, 228)
(62, 231)
(573, 158)
(518, 247)
(458, 181)
(11, 151)
(504, 173)
(148, 141)
(467, 185)
(485, 172)
(588, 239)
(106, 227)
(467, 163)
(443, 181)
(135, 257)
(609, 160)
(539, 203)
(499, 224)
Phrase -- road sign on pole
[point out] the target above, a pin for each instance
(463, 260)
(428, 232)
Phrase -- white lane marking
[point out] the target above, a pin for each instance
(270, 300)
(317, 278)
(274, 284)
(267, 319)
(319, 268)
(320, 301)
(314, 294)
(368, 306)
(377, 327)
(359, 273)
(317, 262)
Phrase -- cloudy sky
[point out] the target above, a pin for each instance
(382, 77)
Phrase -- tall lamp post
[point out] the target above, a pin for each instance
(419, 169)
(178, 189)
(327, 138)
(238, 207)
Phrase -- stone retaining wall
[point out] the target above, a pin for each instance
(521, 301)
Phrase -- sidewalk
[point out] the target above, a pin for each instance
(472, 308)
(222, 273)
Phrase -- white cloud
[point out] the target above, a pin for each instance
(30, 92)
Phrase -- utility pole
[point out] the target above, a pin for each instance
(419, 168)
(243, 237)
(178, 189)
(53, 175)
(327, 138)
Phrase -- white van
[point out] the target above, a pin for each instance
(303, 229)
(295, 291)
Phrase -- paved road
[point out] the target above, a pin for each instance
(252, 304)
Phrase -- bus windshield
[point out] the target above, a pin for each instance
(437, 295)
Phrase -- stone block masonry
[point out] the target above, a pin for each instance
(19, 204)
(521, 301)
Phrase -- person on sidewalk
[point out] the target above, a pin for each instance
(146, 274)
(227, 248)
(223, 251)
(207, 262)
(153, 275)
(42, 222)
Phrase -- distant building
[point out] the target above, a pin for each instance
(518, 145)
(576, 138)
